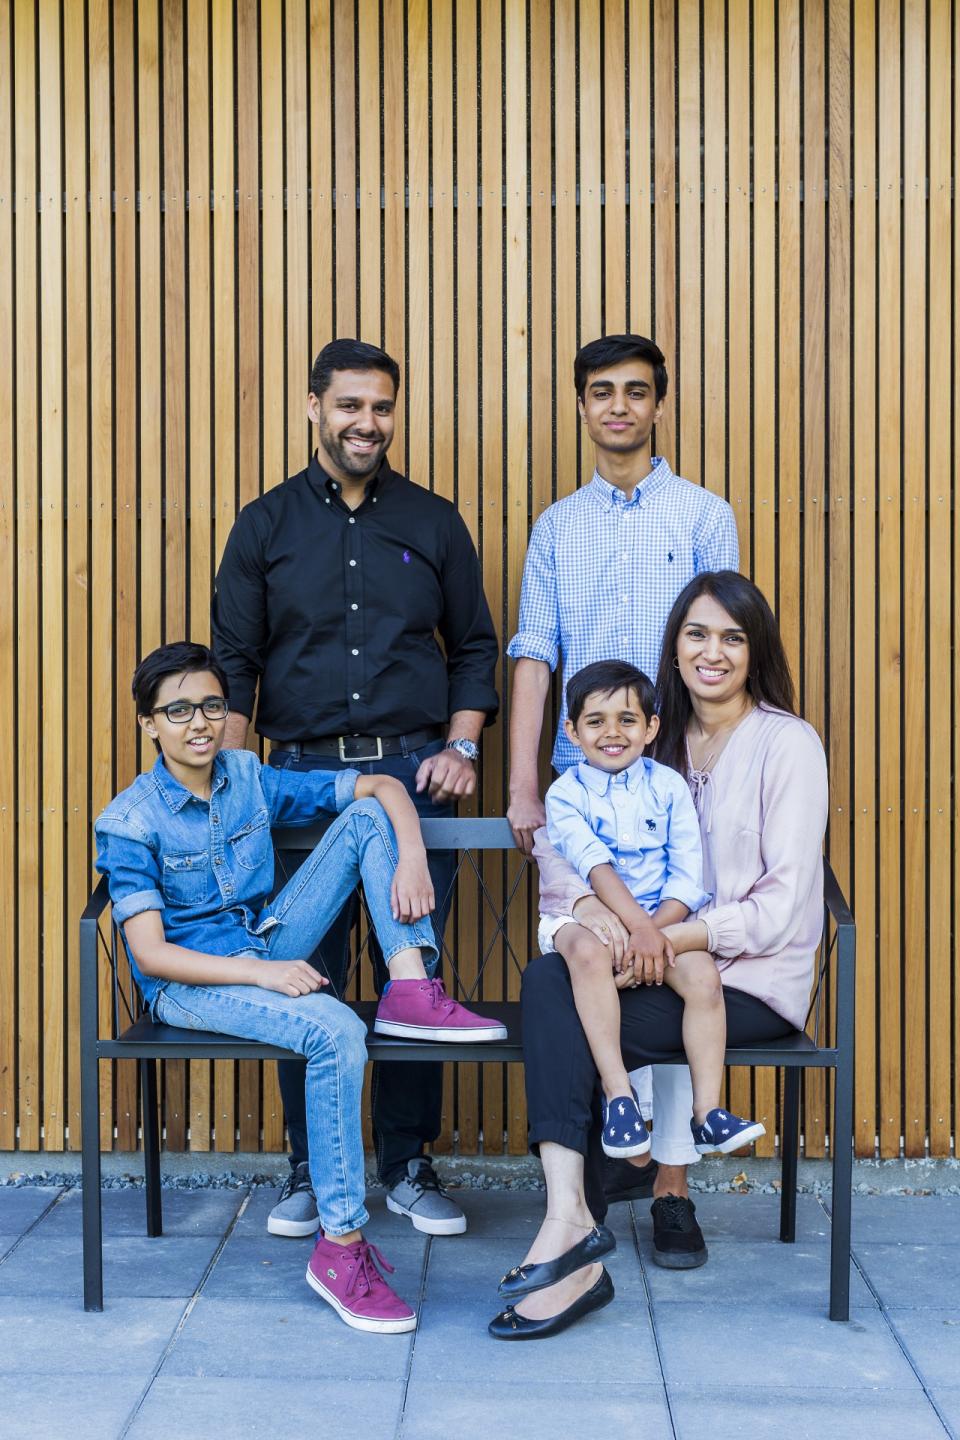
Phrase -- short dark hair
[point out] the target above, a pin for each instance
(350, 355)
(613, 350)
(605, 677)
(769, 682)
(180, 657)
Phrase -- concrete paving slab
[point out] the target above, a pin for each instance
(452, 1327)
(47, 1337)
(782, 1346)
(917, 1277)
(185, 1212)
(166, 1265)
(20, 1205)
(299, 1337)
(948, 1399)
(538, 1410)
(267, 1408)
(473, 1272)
(904, 1219)
(87, 1407)
(756, 1275)
(518, 1215)
(750, 1217)
(932, 1338)
(805, 1414)
(270, 1267)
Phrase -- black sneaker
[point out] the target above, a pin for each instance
(623, 1181)
(678, 1242)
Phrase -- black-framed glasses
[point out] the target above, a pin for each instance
(181, 712)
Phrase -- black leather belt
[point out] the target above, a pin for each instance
(361, 748)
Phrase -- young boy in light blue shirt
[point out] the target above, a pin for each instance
(629, 826)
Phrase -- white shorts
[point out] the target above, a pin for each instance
(547, 929)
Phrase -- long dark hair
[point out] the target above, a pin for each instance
(769, 681)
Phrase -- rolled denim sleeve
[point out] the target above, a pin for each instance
(298, 797)
(568, 829)
(131, 867)
(684, 880)
(538, 633)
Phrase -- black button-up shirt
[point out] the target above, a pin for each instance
(335, 613)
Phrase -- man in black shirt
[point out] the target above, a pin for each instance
(331, 593)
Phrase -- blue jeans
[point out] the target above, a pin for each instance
(407, 1097)
(360, 844)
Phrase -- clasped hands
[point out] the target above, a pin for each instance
(639, 956)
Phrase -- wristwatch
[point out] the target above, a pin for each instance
(466, 748)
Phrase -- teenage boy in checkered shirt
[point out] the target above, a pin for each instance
(603, 568)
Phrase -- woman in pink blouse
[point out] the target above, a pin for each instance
(758, 776)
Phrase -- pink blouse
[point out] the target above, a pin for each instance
(763, 813)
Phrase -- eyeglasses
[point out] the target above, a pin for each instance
(181, 712)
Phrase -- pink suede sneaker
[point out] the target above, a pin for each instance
(422, 1010)
(347, 1277)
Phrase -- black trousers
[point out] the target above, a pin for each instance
(407, 1097)
(563, 1087)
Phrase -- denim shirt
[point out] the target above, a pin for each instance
(207, 865)
(642, 821)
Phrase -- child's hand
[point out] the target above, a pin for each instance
(594, 916)
(411, 894)
(650, 952)
(288, 977)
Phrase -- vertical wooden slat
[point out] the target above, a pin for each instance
(78, 574)
(343, 41)
(788, 359)
(394, 207)
(641, 179)
(941, 672)
(714, 249)
(8, 630)
(368, 69)
(665, 212)
(863, 487)
(102, 628)
(565, 225)
(297, 248)
(418, 245)
(321, 176)
(201, 433)
(888, 500)
(225, 389)
(588, 180)
(51, 626)
(688, 377)
(913, 663)
(27, 276)
(614, 167)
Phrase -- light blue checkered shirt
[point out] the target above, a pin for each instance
(602, 573)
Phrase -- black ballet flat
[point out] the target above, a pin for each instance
(508, 1325)
(524, 1279)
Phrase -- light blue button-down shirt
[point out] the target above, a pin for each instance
(602, 573)
(207, 865)
(642, 821)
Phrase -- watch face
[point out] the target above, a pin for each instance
(466, 748)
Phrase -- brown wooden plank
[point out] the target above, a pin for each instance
(889, 659)
(614, 165)
(913, 667)
(788, 360)
(588, 178)
(26, 262)
(343, 48)
(322, 219)
(688, 377)
(939, 676)
(863, 482)
(200, 436)
(368, 70)
(665, 212)
(299, 353)
(418, 245)
(8, 629)
(714, 249)
(641, 179)
(567, 421)
(78, 588)
(394, 206)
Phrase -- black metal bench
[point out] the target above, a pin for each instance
(134, 1036)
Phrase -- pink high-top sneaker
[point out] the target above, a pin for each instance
(422, 1010)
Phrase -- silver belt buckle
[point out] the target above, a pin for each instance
(360, 759)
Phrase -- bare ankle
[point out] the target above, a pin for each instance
(407, 965)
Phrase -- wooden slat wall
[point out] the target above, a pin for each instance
(196, 194)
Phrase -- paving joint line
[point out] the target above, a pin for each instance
(32, 1226)
(421, 1295)
(187, 1312)
(653, 1320)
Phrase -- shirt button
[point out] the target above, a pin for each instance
(218, 861)
(621, 862)
(355, 695)
(216, 819)
(624, 837)
(327, 500)
(353, 562)
(354, 652)
(354, 607)
(351, 521)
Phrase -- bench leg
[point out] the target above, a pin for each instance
(789, 1148)
(90, 1177)
(151, 1146)
(841, 1143)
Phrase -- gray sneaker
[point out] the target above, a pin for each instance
(420, 1195)
(295, 1213)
